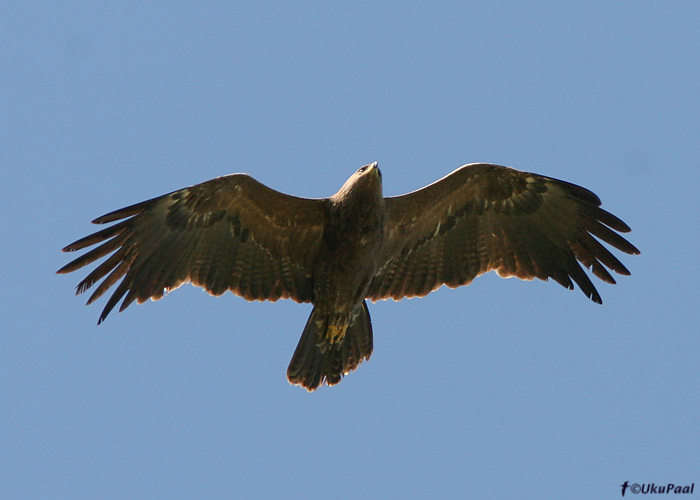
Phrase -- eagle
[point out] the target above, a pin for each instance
(234, 233)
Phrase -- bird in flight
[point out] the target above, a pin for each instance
(234, 233)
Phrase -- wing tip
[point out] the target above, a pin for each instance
(125, 212)
(594, 296)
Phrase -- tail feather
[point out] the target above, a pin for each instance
(315, 361)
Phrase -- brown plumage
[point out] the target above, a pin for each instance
(233, 233)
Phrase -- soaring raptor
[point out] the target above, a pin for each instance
(233, 233)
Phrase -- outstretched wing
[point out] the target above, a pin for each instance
(485, 217)
(230, 233)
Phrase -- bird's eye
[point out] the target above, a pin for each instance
(362, 169)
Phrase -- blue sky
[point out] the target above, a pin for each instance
(502, 389)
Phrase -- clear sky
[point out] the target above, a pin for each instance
(503, 389)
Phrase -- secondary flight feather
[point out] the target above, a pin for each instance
(234, 233)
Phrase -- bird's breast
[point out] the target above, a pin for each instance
(347, 260)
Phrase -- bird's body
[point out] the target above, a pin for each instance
(338, 334)
(350, 248)
(233, 233)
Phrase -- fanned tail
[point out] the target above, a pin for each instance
(315, 361)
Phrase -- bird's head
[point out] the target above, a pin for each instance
(365, 184)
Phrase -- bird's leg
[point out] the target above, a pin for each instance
(336, 332)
